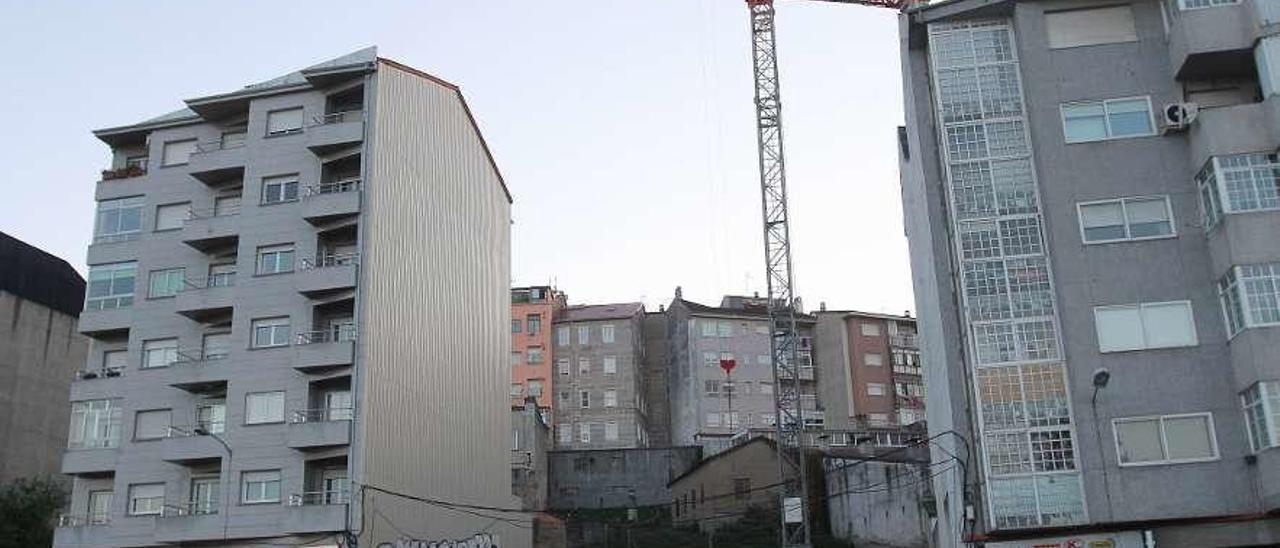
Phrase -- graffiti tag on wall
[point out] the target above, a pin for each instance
(481, 540)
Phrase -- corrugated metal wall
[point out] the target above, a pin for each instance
(435, 319)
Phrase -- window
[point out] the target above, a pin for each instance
(535, 388)
(151, 425)
(726, 329)
(515, 358)
(610, 365)
(584, 365)
(762, 329)
(283, 188)
(1237, 183)
(1145, 326)
(606, 334)
(227, 205)
(1261, 404)
(611, 431)
(146, 499)
(110, 286)
(708, 328)
(870, 329)
(115, 359)
(1168, 439)
(584, 334)
(1250, 296)
(100, 507)
(710, 359)
(1110, 119)
(875, 389)
(564, 433)
(275, 259)
(1125, 219)
(713, 420)
(118, 220)
(211, 415)
(264, 407)
(1201, 4)
(95, 424)
(584, 432)
(221, 275)
(515, 325)
(285, 121)
(564, 397)
(584, 399)
(176, 153)
(611, 398)
(766, 388)
(171, 216)
(159, 352)
(260, 487)
(535, 356)
(878, 419)
(167, 282)
(712, 388)
(1089, 27)
(535, 323)
(873, 360)
(516, 390)
(562, 336)
(269, 332)
(563, 365)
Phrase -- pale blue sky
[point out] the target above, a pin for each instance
(624, 128)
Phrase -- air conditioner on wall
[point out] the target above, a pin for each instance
(1179, 116)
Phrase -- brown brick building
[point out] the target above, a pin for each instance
(871, 374)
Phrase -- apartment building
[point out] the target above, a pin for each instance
(1094, 267)
(302, 287)
(533, 309)
(599, 353)
(870, 373)
(655, 377)
(40, 353)
(709, 406)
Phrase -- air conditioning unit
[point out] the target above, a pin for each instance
(1178, 116)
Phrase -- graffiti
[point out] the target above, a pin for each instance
(481, 540)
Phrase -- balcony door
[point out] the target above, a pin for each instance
(337, 405)
(334, 483)
(99, 507)
(205, 493)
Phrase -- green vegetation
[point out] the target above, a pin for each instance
(28, 510)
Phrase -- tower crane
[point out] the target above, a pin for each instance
(788, 415)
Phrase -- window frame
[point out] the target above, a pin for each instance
(273, 322)
(1182, 5)
(611, 397)
(275, 251)
(164, 150)
(119, 299)
(1164, 442)
(609, 364)
(607, 334)
(878, 387)
(131, 509)
(283, 182)
(1106, 118)
(155, 222)
(584, 399)
(116, 206)
(168, 273)
(302, 121)
(245, 483)
(102, 415)
(146, 352)
(1124, 213)
(1195, 335)
(137, 416)
(247, 408)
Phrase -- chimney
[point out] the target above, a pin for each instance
(662, 308)
(755, 294)
(906, 313)
(679, 293)
(822, 306)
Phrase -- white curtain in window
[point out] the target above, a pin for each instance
(1086, 27)
(151, 424)
(281, 121)
(1188, 437)
(264, 407)
(1139, 441)
(177, 152)
(1119, 328)
(171, 216)
(1168, 324)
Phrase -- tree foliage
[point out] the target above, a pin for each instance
(28, 510)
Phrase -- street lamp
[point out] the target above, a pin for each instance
(202, 430)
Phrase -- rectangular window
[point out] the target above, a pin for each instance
(1126, 219)
(584, 365)
(515, 325)
(516, 390)
(562, 364)
(611, 431)
(115, 359)
(95, 424)
(584, 432)
(535, 388)
(171, 216)
(610, 398)
(562, 336)
(269, 332)
(221, 275)
(167, 282)
(275, 259)
(1261, 404)
(726, 329)
(875, 389)
(283, 188)
(712, 388)
(176, 153)
(564, 433)
(285, 121)
(584, 334)
(1250, 296)
(146, 499)
(110, 286)
(762, 329)
(118, 220)
(873, 360)
(1110, 119)
(710, 359)
(606, 334)
(534, 322)
(1145, 326)
(227, 205)
(261, 487)
(535, 356)
(1201, 4)
(610, 365)
(1167, 439)
(100, 507)
(264, 407)
(708, 328)
(211, 415)
(584, 399)
(159, 352)
(515, 358)
(766, 388)
(713, 420)
(870, 329)
(1238, 183)
(1090, 27)
(151, 425)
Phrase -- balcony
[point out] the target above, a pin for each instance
(136, 169)
(188, 523)
(806, 373)
(209, 229)
(904, 341)
(317, 512)
(184, 445)
(319, 428)
(90, 384)
(198, 373)
(83, 531)
(1212, 42)
(101, 323)
(327, 274)
(219, 161)
(329, 201)
(205, 298)
(90, 461)
(318, 351)
(334, 131)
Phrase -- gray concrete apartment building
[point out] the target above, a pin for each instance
(40, 353)
(599, 382)
(699, 337)
(1066, 217)
(303, 286)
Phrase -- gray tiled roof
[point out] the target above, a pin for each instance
(581, 313)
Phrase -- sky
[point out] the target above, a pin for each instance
(625, 130)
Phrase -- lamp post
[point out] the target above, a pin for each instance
(226, 504)
(1101, 377)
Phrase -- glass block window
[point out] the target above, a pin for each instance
(1238, 183)
(1261, 405)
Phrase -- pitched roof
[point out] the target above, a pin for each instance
(758, 439)
(34, 275)
(753, 311)
(589, 312)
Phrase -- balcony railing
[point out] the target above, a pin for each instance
(200, 357)
(329, 260)
(202, 508)
(335, 187)
(327, 414)
(212, 212)
(224, 279)
(104, 372)
(907, 341)
(81, 520)
(227, 142)
(316, 498)
(338, 117)
(339, 333)
(136, 170)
